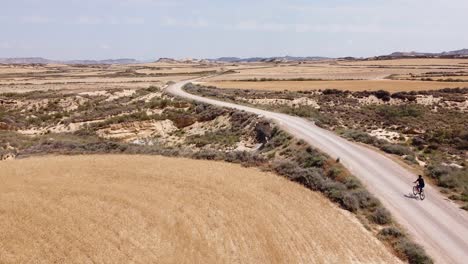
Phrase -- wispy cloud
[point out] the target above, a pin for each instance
(35, 19)
(189, 23)
(87, 20)
(95, 20)
(159, 3)
(104, 46)
(267, 26)
(5, 45)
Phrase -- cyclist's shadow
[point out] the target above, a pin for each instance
(411, 196)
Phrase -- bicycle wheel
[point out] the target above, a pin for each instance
(422, 195)
(415, 190)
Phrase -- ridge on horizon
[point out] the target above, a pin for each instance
(461, 53)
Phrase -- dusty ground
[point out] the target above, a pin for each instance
(140, 209)
(408, 74)
(391, 75)
(448, 246)
(79, 78)
(345, 69)
(355, 85)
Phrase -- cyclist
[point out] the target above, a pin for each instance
(421, 183)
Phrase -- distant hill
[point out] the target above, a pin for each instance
(33, 60)
(38, 60)
(462, 53)
(115, 61)
(167, 60)
(268, 59)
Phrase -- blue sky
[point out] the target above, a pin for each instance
(147, 29)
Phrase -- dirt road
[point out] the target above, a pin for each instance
(151, 209)
(436, 223)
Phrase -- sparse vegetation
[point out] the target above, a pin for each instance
(428, 133)
(114, 121)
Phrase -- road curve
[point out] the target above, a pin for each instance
(436, 223)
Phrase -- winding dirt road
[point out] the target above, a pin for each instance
(436, 223)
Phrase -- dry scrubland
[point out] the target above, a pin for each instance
(357, 85)
(120, 209)
(76, 78)
(428, 130)
(102, 109)
(390, 75)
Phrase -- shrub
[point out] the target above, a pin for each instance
(207, 112)
(158, 103)
(311, 177)
(381, 216)
(334, 172)
(437, 171)
(395, 113)
(182, 120)
(359, 136)
(153, 89)
(263, 132)
(456, 179)
(417, 141)
(223, 138)
(333, 190)
(396, 149)
(365, 199)
(352, 183)
(310, 159)
(350, 203)
(278, 139)
(390, 232)
(245, 158)
(413, 252)
(208, 155)
(382, 95)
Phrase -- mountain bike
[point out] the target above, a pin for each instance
(417, 192)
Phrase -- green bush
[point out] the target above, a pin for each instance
(413, 252)
(350, 203)
(390, 232)
(223, 138)
(365, 199)
(449, 177)
(393, 112)
(381, 216)
(245, 158)
(396, 149)
(359, 136)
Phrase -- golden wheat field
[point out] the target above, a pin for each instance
(351, 85)
(345, 69)
(81, 78)
(150, 209)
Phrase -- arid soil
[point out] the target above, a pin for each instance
(343, 69)
(125, 109)
(354, 75)
(141, 209)
(426, 129)
(350, 85)
(81, 78)
(440, 225)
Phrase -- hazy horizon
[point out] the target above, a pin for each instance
(149, 29)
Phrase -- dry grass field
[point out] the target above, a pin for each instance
(76, 78)
(356, 85)
(392, 75)
(141, 209)
(341, 69)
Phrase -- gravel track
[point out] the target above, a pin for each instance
(436, 223)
